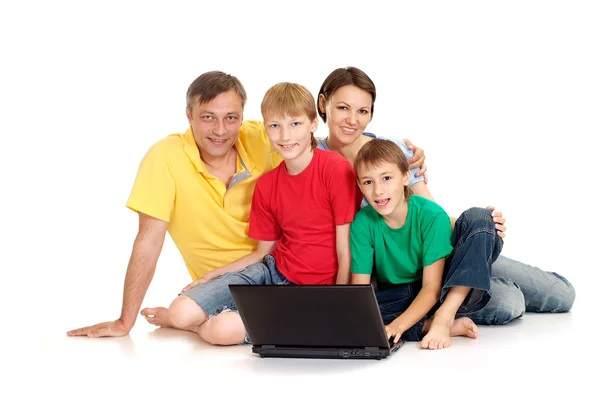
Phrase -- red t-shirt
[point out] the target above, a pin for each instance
(301, 212)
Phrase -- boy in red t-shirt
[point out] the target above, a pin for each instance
(300, 216)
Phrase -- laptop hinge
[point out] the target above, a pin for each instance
(371, 348)
(268, 346)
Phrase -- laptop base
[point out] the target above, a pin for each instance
(368, 353)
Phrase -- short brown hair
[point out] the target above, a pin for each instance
(289, 99)
(343, 77)
(378, 151)
(211, 84)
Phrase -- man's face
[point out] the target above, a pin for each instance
(216, 124)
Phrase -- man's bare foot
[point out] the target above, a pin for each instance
(442, 329)
(158, 316)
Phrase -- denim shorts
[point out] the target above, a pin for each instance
(214, 296)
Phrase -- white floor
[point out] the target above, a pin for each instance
(539, 355)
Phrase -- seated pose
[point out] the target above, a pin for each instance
(426, 273)
(300, 216)
(345, 103)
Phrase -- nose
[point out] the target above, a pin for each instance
(285, 134)
(220, 128)
(377, 188)
(351, 119)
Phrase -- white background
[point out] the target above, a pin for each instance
(503, 96)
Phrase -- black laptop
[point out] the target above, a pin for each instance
(313, 321)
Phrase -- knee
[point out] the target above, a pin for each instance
(224, 329)
(478, 218)
(564, 297)
(185, 312)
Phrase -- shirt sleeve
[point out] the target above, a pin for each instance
(153, 191)
(361, 246)
(437, 236)
(343, 193)
(408, 155)
(263, 224)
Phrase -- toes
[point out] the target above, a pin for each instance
(148, 311)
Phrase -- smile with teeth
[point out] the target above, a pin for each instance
(217, 141)
(348, 130)
(382, 202)
(288, 146)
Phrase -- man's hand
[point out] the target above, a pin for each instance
(394, 330)
(417, 160)
(499, 220)
(104, 329)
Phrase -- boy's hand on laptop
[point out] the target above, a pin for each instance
(395, 331)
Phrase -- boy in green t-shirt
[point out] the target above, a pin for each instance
(423, 269)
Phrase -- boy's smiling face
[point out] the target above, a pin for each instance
(291, 136)
(383, 185)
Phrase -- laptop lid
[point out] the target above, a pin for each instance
(328, 316)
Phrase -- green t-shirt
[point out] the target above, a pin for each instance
(400, 254)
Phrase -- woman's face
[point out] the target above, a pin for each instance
(348, 112)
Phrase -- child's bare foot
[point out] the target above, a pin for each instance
(158, 316)
(464, 327)
(442, 329)
(438, 336)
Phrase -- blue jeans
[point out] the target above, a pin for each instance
(476, 246)
(518, 288)
(214, 296)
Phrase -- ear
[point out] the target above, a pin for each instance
(322, 103)
(406, 179)
(314, 125)
(188, 114)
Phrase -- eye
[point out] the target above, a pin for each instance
(207, 117)
(387, 178)
(342, 107)
(296, 123)
(274, 126)
(364, 112)
(232, 118)
(367, 182)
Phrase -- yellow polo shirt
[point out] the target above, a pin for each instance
(208, 222)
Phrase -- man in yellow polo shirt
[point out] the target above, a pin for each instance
(198, 187)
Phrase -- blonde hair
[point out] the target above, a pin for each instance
(378, 151)
(289, 99)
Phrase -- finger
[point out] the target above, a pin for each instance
(425, 178)
(497, 214)
(500, 227)
(100, 332)
(79, 332)
(408, 144)
(422, 171)
(491, 208)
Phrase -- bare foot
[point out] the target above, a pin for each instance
(158, 316)
(438, 336)
(464, 327)
(441, 330)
